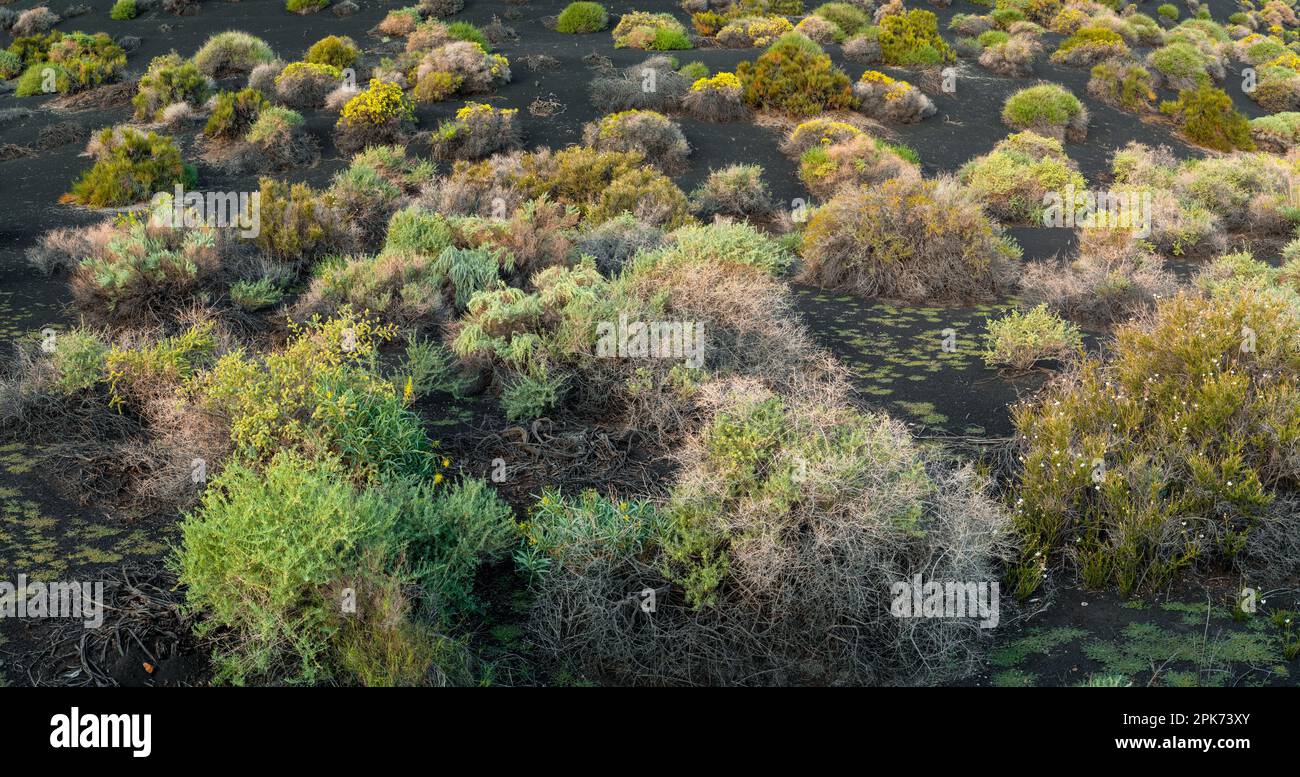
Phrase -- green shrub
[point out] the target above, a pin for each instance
(468, 32)
(653, 135)
(1183, 65)
(122, 10)
(65, 63)
(232, 53)
(1005, 17)
(258, 557)
(136, 375)
(273, 125)
(168, 80)
(791, 517)
(1047, 109)
(446, 534)
(1015, 179)
(576, 532)
(131, 167)
(913, 39)
(737, 243)
(398, 288)
(735, 190)
(417, 231)
(78, 360)
(1168, 450)
(234, 112)
(848, 17)
(11, 65)
(861, 160)
(992, 38)
(297, 223)
(333, 51)
(1090, 45)
(1127, 85)
(582, 17)
(656, 32)
(906, 238)
(794, 76)
(305, 6)
(1208, 118)
(1019, 340)
(1277, 133)
(1168, 11)
(145, 268)
(320, 395)
(256, 295)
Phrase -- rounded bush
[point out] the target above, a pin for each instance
(582, 17)
(907, 238)
(794, 76)
(1047, 109)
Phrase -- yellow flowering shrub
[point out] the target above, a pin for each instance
(381, 103)
(719, 81)
(321, 395)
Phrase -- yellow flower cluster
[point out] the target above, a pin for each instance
(1289, 60)
(295, 68)
(720, 81)
(379, 104)
(472, 110)
(896, 88)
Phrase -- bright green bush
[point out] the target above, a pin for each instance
(11, 65)
(1019, 340)
(259, 555)
(468, 32)
(1047, 109)
(168, 80)
(273, 124)
(1090, 45)
(132, 166)
(137, 374)
(64, 63)
(1168, 11)
(1207, 116)
(912, 39)
(255, 295)
(78, 360)
(576, 532)
(582, 17)
(122, 10)
(234, 112)
(417, 231)
(1278, 132)
(1014, 178)
(446, 534)
(322, 396)
(305, 6)
(848, 17)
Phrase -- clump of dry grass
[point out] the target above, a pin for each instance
(907, 238)
(779, 569)
(1113, 279)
